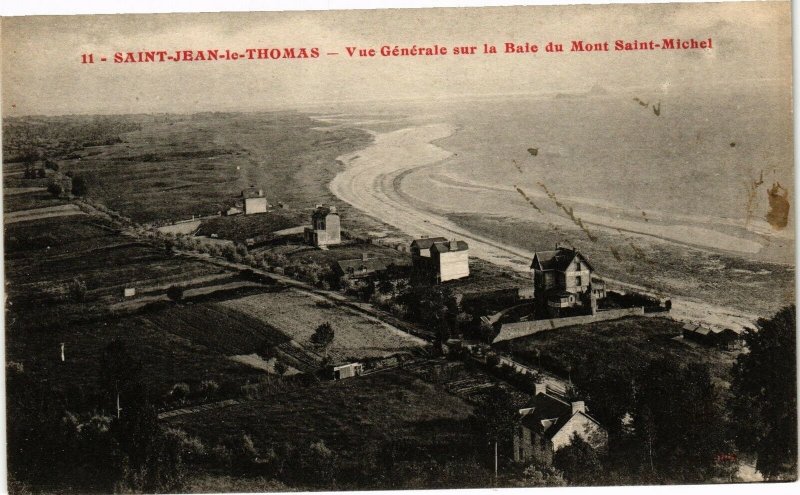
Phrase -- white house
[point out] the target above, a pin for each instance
(254, 201)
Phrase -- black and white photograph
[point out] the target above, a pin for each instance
(336, 250)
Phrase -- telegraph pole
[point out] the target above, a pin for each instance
(495, 461)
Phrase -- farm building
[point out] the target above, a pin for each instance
(438, 260)
(548, 424)
(562, 279)
(325, 227)
(725, 338)
(360, 268)
(253, 201)
(347, 371)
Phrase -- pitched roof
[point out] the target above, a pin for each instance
(545, 406)
(252, 192)
(558, 259)
(426, 242)
(449, 246)
(324, 211)
(549, 414)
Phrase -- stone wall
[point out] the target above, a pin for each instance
(510, 331)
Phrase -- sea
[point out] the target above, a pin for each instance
(694, 167)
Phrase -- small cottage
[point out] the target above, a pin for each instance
(325, 227)
(253, 201)
(347, 371)
(718, 337)
(548, 424)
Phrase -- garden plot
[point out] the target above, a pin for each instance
(298, 314)
(37, 213)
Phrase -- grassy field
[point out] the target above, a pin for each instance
(31, 200)
(173, 167)
(169, 351)
(241, 227)
(629, 343)
(350, 252)
(43, 256)
(348, 416)
(217, 327)
(298, 315)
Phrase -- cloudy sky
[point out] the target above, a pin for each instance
(42, 73)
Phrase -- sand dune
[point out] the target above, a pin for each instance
(370, 184)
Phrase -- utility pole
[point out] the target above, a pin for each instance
(495, 461)
(116, 387)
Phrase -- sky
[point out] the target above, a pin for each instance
(42, 73)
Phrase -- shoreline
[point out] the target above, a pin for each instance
(371, 183)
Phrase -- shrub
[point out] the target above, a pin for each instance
(175, 292)
(267, 351)
(55, 189)
(77, 290)
(209, 388)
(180, 391)
(188, 447)
(79, 186)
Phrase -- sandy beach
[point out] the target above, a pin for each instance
(373, 183)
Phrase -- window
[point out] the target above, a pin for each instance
(578, 280)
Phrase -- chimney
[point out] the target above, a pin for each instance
(578, 406)
(364, 256)
(453, 245)
(539, 388)
(332, 209)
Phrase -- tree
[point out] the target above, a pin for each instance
(323, 336)
(578, 461)
(77, 290)
(763, 395)
(55, 189)
(267, 350)
(319, 461)
(79, 186)
(153, 464)
(175, 292)
(496, 416)
(209, 388)
(678, 418)
(180, 391)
